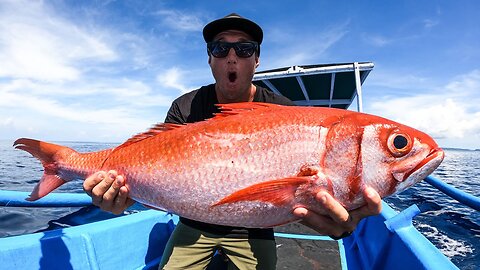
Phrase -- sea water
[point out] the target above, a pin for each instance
(453, 228)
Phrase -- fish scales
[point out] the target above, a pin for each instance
(237, 164)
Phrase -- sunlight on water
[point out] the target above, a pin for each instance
(449, 247)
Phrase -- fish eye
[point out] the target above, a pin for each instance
(399, 144)
(400, 141)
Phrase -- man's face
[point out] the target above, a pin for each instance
(233, 75)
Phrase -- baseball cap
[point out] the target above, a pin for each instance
(232, 22)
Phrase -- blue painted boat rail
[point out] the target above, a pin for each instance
(18, 199)
(460, 196)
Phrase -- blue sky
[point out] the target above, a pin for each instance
(105, 70)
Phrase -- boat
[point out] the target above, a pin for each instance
(136, 240)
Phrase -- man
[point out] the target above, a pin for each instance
(233, 45)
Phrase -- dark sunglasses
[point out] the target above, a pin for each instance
(243, 49)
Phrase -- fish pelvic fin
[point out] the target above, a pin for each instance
(278, 192)
(49, 154)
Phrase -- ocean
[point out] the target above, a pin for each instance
(451, 227)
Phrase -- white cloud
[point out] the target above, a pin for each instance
(434, 115)
(46, 117)
(7, 121)
(181, 20)
(376, 40)
(393, 80)
(172, 78)
(36, 43)
(428, 23)
(312, 47)
(100, 111)
(63, 80)
(465, 85)
(451, 113)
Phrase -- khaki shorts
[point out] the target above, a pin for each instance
(189, 248)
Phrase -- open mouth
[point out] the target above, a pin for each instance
(232, 77)
(434, 154)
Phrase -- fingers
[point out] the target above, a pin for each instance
(341, 221)
(337, 221)
(373, 206)
(334, 209)
(320, 223)
(92, 181)
(112, 185)
(374, 201)
(102, 187)
(108, 191)
(122, 199)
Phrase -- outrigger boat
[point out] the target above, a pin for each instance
(137, 240)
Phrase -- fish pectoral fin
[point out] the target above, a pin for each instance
(277, 192)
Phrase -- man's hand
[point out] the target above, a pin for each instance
(108, 191)
(338, 220)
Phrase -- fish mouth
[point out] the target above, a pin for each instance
(435, 156)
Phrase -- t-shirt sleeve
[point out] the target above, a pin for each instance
(282, 100)
(174, 115)
(265, 95)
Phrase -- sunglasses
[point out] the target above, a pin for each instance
(243, 49)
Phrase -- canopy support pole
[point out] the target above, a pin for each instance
(332, 87)
(358, 87)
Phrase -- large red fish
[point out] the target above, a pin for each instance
(253, 163)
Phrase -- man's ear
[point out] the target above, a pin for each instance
(257, 61)
(209, 59)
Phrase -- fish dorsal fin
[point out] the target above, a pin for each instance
(228, 109)
(156, 129)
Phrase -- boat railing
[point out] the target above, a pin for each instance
(454, 193)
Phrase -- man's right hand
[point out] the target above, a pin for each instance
(108, 191)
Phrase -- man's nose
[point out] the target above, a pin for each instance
(232, 56)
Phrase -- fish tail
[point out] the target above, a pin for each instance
(50, 155)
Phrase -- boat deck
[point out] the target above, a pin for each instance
(306, 254)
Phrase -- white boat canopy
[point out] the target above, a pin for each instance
(330, 85)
